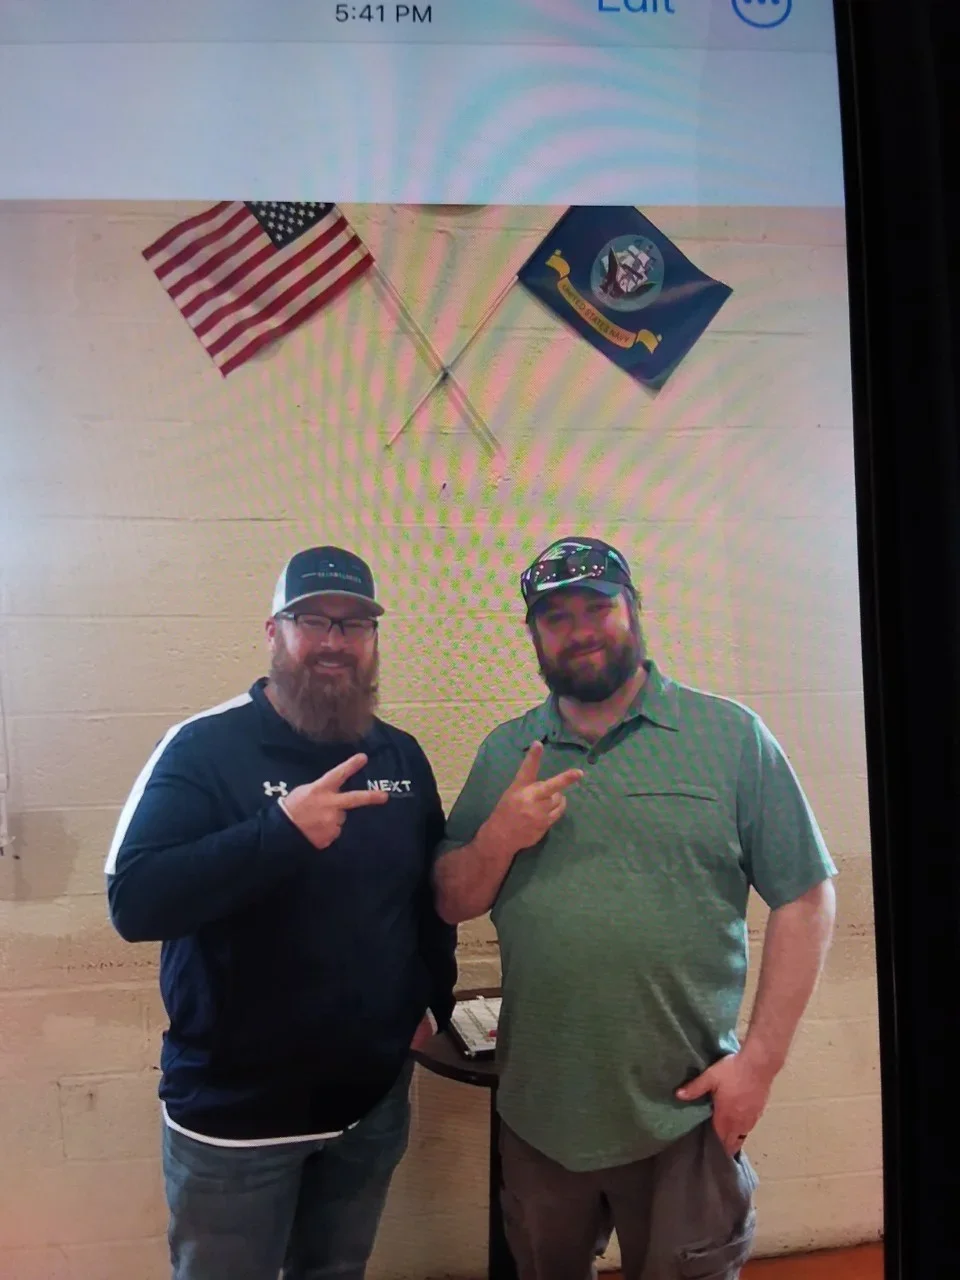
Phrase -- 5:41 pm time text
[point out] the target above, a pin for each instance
(411, 14)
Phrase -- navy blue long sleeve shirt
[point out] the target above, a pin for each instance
(293, 978)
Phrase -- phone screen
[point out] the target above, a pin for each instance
(438, 282)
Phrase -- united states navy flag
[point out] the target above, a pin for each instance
(616, 279)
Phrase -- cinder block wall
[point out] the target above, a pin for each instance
(146, 506)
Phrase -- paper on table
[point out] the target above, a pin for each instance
(474, 1024)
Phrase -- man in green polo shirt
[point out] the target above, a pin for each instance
(615, 831)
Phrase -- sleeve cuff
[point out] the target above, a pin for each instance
(282, 833)
(440, 1011)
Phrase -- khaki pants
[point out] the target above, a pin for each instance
(684, 1214)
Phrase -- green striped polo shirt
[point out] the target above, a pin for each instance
(622, 934)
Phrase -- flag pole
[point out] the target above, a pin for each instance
(493, 444)
(476, 418)
(408, 316)
(445, 373)
(484, 320)
(417, 407)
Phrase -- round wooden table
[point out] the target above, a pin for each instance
(442, 1056)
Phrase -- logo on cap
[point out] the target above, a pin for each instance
(564, 549)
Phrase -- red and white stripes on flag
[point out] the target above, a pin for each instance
(245, 273)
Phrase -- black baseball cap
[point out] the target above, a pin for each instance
(575, 562)
(325, 571)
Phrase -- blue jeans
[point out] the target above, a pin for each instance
(310, 1208)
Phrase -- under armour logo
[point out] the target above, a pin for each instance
(275, 789)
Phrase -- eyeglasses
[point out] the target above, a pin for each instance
(318, 624)
(578, 565)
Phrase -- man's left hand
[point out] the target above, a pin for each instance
(424, 1032)
(740, 1089)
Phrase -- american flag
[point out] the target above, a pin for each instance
(245, 273)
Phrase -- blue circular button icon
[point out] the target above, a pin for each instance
(763, 13)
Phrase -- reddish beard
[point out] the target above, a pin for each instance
(327, 706)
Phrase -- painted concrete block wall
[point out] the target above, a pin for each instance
(145, 507)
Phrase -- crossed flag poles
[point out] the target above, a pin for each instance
(445, 376)
(244, 273)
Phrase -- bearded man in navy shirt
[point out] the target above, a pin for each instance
(280, 847)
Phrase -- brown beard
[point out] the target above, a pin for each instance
(621, 664)
(324, 707)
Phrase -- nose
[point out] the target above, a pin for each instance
(334, 640)
(584, 632)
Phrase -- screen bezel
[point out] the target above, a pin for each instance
(901, 199)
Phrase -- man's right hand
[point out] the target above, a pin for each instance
(529, 808)
(320, 808)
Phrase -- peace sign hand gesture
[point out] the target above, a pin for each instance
(320, 808)
(530, 807)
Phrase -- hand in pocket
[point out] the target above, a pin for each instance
(739, 1091)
